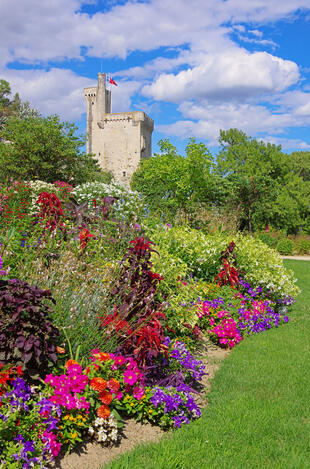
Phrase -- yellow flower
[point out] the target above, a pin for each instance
(73, 435)
(79, 416)
(66, 417)
(150, 411)
(131, 404)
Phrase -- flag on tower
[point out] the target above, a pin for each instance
(111, 81)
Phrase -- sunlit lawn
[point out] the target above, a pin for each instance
(259, 406)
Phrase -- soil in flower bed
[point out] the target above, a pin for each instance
(95, 456)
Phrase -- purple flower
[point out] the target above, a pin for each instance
(2, 272)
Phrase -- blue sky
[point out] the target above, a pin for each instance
(194, 66)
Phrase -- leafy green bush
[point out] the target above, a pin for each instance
(302, 245)
(285, 247)
(260, 264)
(267, 239)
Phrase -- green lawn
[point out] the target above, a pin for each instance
(259, 406)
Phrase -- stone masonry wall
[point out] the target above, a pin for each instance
(119, 140)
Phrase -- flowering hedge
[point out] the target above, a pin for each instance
(202, 253)
(127, 206)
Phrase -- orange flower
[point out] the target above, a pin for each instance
(102, 357)
(70, 362)
(103, 411)
(105, 397)
(60, 350)
(113, 385)
(98, 384)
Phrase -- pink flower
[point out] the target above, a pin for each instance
(131, 363)
(118, 395)
(51, 440)
(119, 361)
(130, 377)
(138, 392)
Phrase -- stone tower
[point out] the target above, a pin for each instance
(119, 140)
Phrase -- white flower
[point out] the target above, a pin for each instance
(102, 436)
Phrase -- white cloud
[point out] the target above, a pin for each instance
(222, 80)
(256, 32)
(288, 143)
(233, 74)
(303, 110)
(36, 30)
(205, 120)
(60, 91)
(57, 91)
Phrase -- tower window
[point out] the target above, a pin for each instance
(124, 174)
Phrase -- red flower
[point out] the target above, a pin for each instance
(84, 236)
(105, 397)
(98, 384)
(113, 385)
(103, 411)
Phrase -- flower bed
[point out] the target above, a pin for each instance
(111, 327)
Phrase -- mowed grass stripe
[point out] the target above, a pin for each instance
(259, 407)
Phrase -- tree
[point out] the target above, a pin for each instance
(299, 163)
(270, 186)
(170, 182)
(44, 148)
(13, 107)
(291, 207)
(251, 171)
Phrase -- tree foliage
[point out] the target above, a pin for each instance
(270, 186)
(170, 181)
(13, 107)
(44, 148)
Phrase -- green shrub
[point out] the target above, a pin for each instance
(302, 245)
(267, 239)
(201, 253)
(285, 247)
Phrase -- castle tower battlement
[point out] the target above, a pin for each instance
(118, 140)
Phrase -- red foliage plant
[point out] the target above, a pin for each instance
(139, 318)
(84, 236)
(113, 322)
(50, 210)
(136, 287)
(229, 275)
